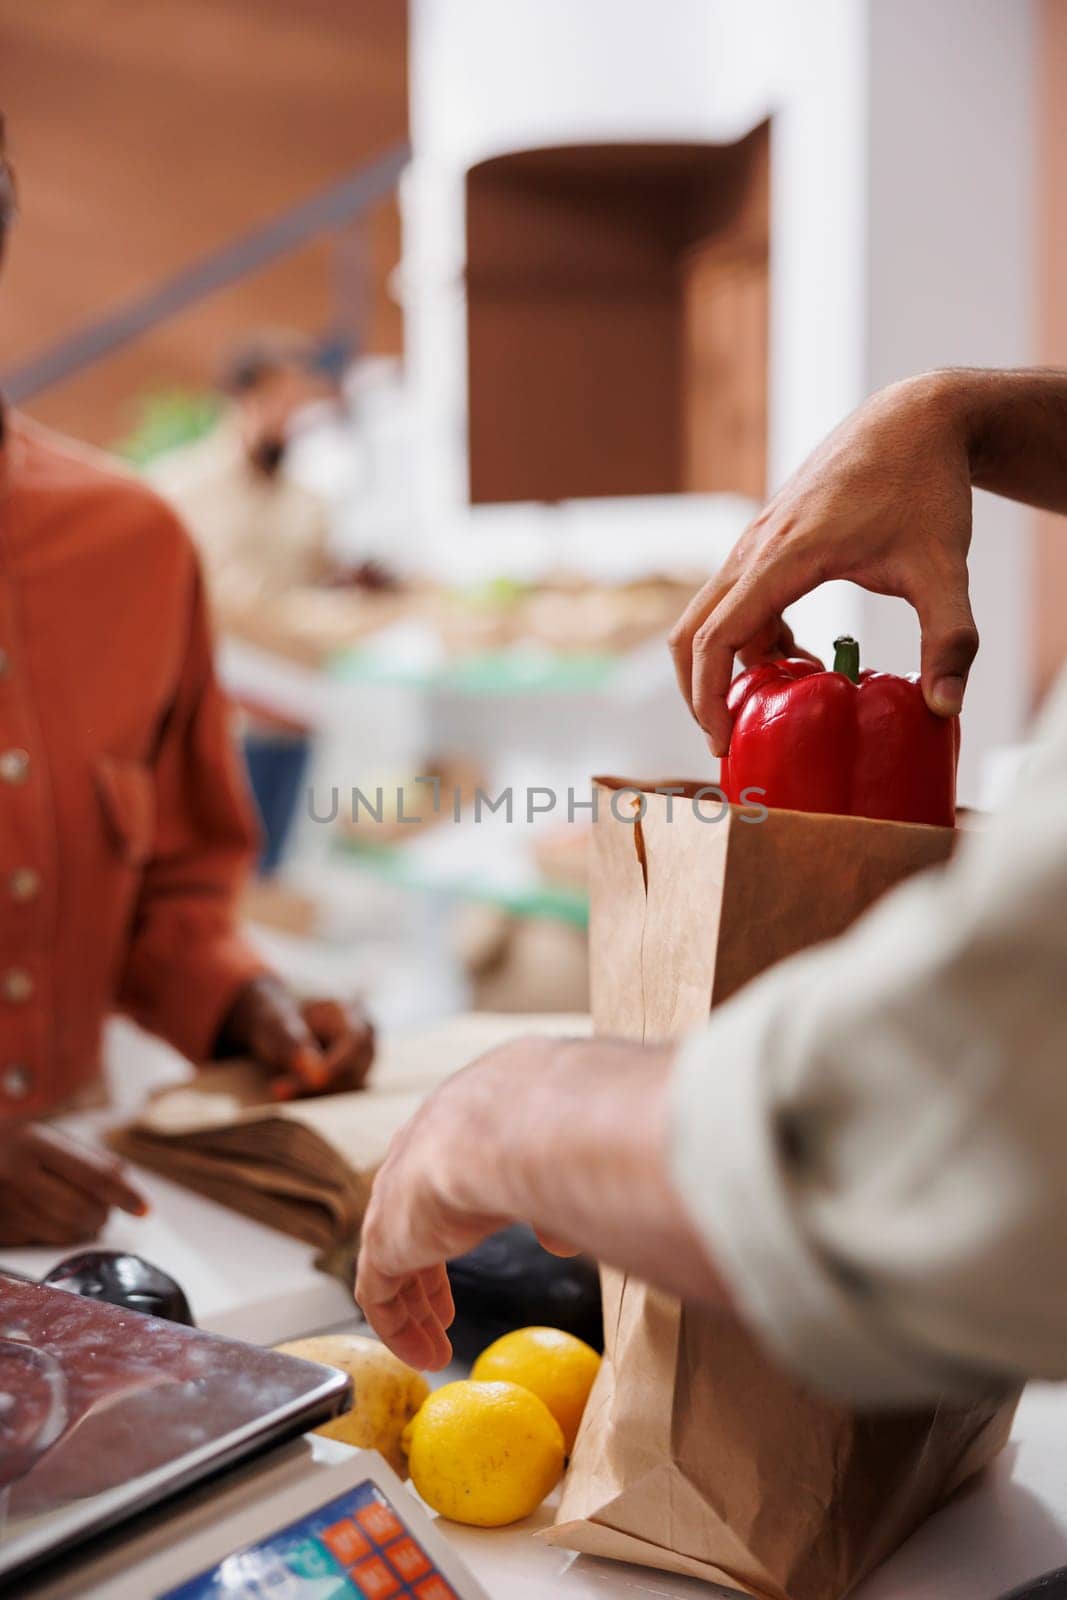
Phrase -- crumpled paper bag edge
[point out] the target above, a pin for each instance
(594, 1539)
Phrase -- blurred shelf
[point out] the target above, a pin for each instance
(263, 680)
(510, 891)
(500, 673)
(321, 696)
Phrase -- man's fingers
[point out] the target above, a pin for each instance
(696, 613)
(753, 607)
(731, 615)
(554, 1246)
(425, 1317)
(418, 1330)
(439, 1293)
(404, 1316)
(949, 645)
(713, 670)
(776, 643)
(93, 1174)
(772, 642)
(707, 601)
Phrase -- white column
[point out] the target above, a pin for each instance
(951, 281)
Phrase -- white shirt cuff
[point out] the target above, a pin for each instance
(727, 1164)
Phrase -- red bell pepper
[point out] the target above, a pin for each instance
(860, 744)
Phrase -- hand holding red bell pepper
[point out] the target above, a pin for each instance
(858, 744)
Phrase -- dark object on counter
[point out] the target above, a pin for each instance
(1053, 1586)
(123, 1280)
(510, 1281)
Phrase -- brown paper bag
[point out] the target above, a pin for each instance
(698, 1454)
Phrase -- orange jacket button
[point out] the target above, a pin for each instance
(17, 985)
(14, 766)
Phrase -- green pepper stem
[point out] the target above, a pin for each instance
(847, 657)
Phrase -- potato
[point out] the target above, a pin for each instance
(386, 1394)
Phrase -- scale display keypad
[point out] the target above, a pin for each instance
(357, 1546)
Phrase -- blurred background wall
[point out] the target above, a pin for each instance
(148, 136)
(902, 228)
(592, 276)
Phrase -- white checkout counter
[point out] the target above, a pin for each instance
(257, 1285)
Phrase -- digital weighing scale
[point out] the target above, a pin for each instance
(107, 1415)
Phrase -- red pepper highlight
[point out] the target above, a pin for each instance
(856, 744)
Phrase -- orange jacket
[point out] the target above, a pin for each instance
(125, 825)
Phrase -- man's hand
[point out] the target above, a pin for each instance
(423, 1211)
(306, 1047)
(885, 501)
(56, 1192)
(567, 1135)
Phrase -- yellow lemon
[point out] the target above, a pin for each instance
(484, 1453)
(556, 1366)
(385, 1393)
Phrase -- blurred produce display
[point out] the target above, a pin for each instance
(562, 855)
(311, 625)
(509, 655)
(568, 615)
(521, 962)
(397, 804)
(167, 418)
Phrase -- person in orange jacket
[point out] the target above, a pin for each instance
(126, 829)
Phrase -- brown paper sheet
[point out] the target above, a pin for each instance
(305, 1166)
(697, 1453)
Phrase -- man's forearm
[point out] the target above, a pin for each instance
(584, 1157)
(1014, 428)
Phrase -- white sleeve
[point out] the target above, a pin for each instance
(872, 1138)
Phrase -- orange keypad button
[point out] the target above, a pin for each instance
(434, 1588)
(381, 1522)
(408, 1559)
(374, 1579)
(344, 1540)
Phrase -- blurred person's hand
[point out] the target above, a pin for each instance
(53, 1191)
(305, 1047)
(885, 501)
(569, 1136)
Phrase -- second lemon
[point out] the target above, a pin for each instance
(556, 1366)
